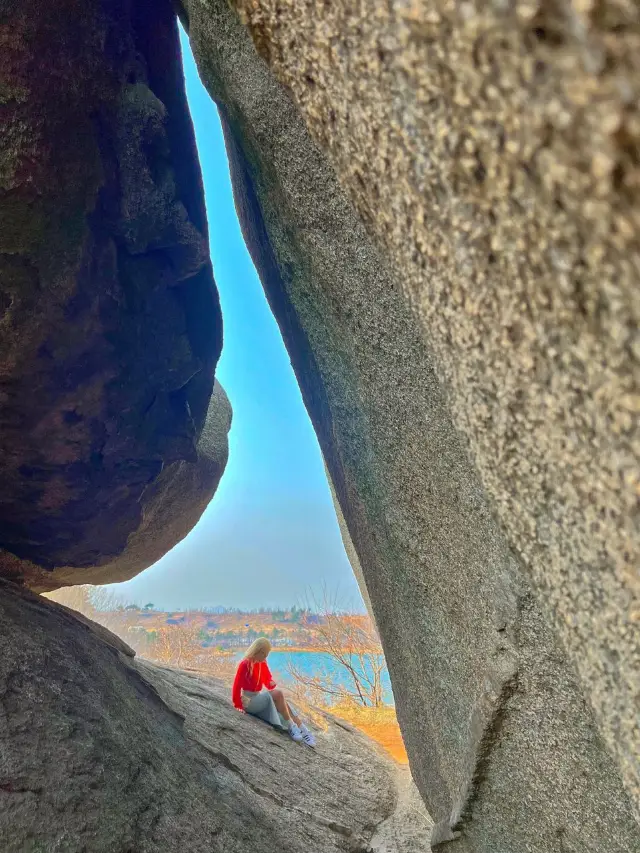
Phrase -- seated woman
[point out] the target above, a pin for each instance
(269, 704)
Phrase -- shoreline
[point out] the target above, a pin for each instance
(313, 649)
(281, 650)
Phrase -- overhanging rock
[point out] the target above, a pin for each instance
(109, 316)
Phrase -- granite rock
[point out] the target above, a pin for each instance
(493, 149)
(170, 506)
(520, 726)
(109, 316)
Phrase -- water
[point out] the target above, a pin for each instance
(323, 666)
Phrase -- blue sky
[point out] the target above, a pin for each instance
(270, 534)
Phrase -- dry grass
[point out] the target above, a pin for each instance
(380, 724)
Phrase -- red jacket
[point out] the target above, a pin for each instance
(253, 679)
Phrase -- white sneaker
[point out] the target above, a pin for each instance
(307, 737)
(295, 732)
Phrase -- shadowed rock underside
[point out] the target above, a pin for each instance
(109, 317)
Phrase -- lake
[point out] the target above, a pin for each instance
(318, 664)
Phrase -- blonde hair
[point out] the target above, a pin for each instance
(259, 646)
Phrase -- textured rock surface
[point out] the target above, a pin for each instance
(494, 149)
(109, 318)
(407, 829)
(349, 548)
(104, 753)
(171, 506)
(502, 743)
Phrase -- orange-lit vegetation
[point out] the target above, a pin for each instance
(223, 630)
(380, 724)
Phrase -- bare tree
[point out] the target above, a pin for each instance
(88, 599)
(181, 645)
(178, 645)
(356, 654)
(100, 604)
(76, 597)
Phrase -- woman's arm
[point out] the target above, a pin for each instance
(269, 683)
(236, 691)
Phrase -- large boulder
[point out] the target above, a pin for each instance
(110, 320)
(170, 507)
(105, 753)
(349, 547)
(439, 201)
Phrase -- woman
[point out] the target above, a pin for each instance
(269, 704)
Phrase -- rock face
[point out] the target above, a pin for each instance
(450, 256)
(104, 753)
(171, 506)
(442, 204)
(110, 322)
(349, 548)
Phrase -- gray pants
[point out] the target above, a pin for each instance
(262, 705)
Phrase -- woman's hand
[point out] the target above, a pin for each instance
(241, 710)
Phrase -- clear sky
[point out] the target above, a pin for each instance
(270, 534)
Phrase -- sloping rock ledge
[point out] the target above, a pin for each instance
(106, 753)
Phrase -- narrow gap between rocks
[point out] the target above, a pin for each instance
(267, 556)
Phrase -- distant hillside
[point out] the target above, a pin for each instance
(228, 630)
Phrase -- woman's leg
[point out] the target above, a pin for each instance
(296, 719)
(283, 707)
(288, 713)
(261, 705)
